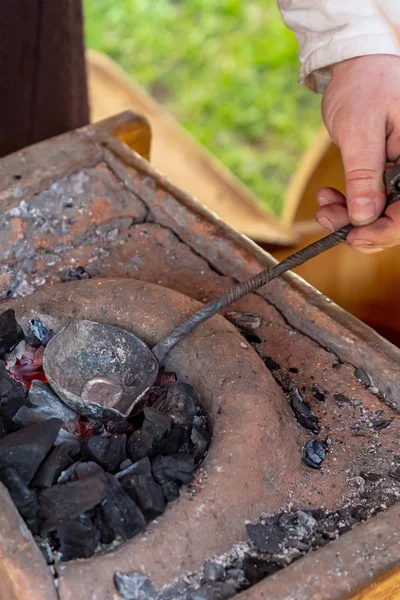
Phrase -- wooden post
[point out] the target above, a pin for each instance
(43, 88)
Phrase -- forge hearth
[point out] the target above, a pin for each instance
(301, 400)
(82, 474)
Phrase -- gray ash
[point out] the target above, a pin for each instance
(81, 483)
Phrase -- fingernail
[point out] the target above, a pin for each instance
(326, 223)
(322, 200)
(359, 243)
(362, 210)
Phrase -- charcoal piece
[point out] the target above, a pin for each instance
(318, 395)
(174, 441)
(12, 397)
(363, 377)
(78, 538)
(45, 548)
(107, 535)
(77, 274)
(136, 446)
(238, 577)
(59, 459)
(302, 410)
(379, 424)
(268, 537)
(175, 591)
(107, 452)
(179, 402)
(170, 490)
(39, 330)
(219, 590)
(24, 498)
(125, 464)
(47, 404)
(3, 430)
(79, 470)
(271, 364)
(26, 449)
(341, 399)
(140, 485)
(178, 468)
(257, 568)
(133, 586)
(200, 440)
(10, 331)
(214, 571)
(120, 512)
(147, 440)
(66, 501)
(314, 454)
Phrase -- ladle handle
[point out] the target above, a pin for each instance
(242, 289)
(392, 182)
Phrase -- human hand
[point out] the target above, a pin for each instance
(361, 110)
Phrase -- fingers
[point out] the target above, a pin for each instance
(364, 163)
(384, 233)
(333, 212)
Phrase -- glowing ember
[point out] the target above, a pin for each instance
(28, 367)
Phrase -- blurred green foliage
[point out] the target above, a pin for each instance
(227, 69)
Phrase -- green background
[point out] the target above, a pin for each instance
(227, 70)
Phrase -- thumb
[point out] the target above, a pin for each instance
(364, 164)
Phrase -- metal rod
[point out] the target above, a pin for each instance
(250, 285)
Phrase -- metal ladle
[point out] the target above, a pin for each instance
(105, 371)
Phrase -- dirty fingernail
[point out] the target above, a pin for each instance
(362, 210)
(326, 223)
(359, 243)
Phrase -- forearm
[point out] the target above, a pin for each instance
(330, 31)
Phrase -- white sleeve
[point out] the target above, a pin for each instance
(330, 31)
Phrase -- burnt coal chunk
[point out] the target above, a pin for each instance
(214, 572)
(257, 568)
(66, 501)
(40, 331)
(147, 441)
(107, 535)
(268, 537)
(78, 538)
(46, 404)
(219, 590)
(141, 486)
(134, 586)
(178, 468)
(314, 454)
(174, 441)
(107, 452)
(271, 364)
(179, 402)
(12, 397)
(200, 440)
(379, 424)
(59, 459)
(302, 410)
(25, 449)
(3, 430)
(80, 470)
(24, 498)
(120, 513)
(76, 274)
(10, 331)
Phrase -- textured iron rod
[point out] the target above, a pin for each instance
(242, 289)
